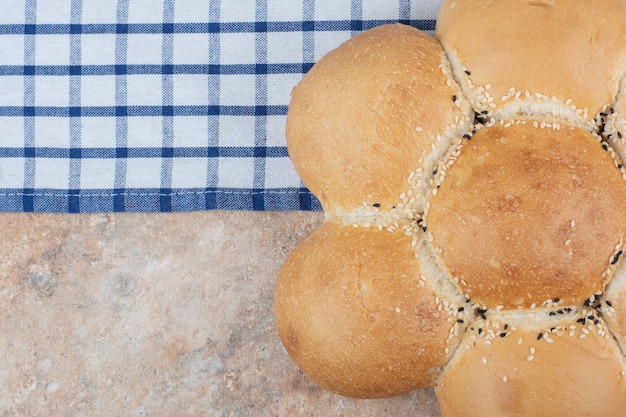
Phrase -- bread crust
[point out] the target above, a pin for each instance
(560, 52)
(511, 218)
(354, 313)
(528, 214)
(565, 365)
(355, 130)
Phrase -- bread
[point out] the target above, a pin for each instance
(528, 214)
(360, 289)
(367, 94)
(535, 365)
(559, 57)
(473, 233)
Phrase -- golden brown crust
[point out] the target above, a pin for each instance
(554, 48)
(524, 212)
(528, 214)
(573, 369)
(353, 315)
(356, 128)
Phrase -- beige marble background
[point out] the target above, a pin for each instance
(149, 315)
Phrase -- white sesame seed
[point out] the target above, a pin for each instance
(519, 341)
(504, 378)
(484, 360)
(530, 358)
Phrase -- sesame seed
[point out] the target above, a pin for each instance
(484, 360)
(504, 378)
(530, 358)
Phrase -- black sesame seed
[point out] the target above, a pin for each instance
(503, 334)
(605, 147)
(587, 303)
(619, 135)
(616, 257)
(454, 97)
(581, 320)
(424, 228)
(608, 303)
(603, 114)
(568, 310)
(461, 308)
(539, 336)
(480, 331)
(467, 136)
(468, 73)
(376, 204)
(596, 321)
(460, 321)
(506, 326)
(553, 313)
(434, 171)
(619, 166)
(612, 110)
(557, 299)
(559, 311)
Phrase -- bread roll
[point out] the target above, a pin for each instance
(475, 211)
(355, 125)
(356, 314)
(515, 364)
(559, 57)
(529, 213)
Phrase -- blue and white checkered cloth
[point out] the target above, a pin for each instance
(163, 105)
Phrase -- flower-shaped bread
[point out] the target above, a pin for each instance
(475, 211)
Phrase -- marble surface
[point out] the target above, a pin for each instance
(149, 315)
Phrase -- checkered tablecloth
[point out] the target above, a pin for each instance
(157, 106)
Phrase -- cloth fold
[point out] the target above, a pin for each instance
(158, 106)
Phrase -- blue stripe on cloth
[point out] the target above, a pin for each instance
(30, 14)
(51, 200)
(120, 110)
(260, 98)
(213, 123)
(74, 116)
(167, 129)
(213, 27)
(110, 153)
(176, 69)
(121, 121)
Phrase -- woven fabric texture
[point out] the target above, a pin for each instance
(159, 106)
